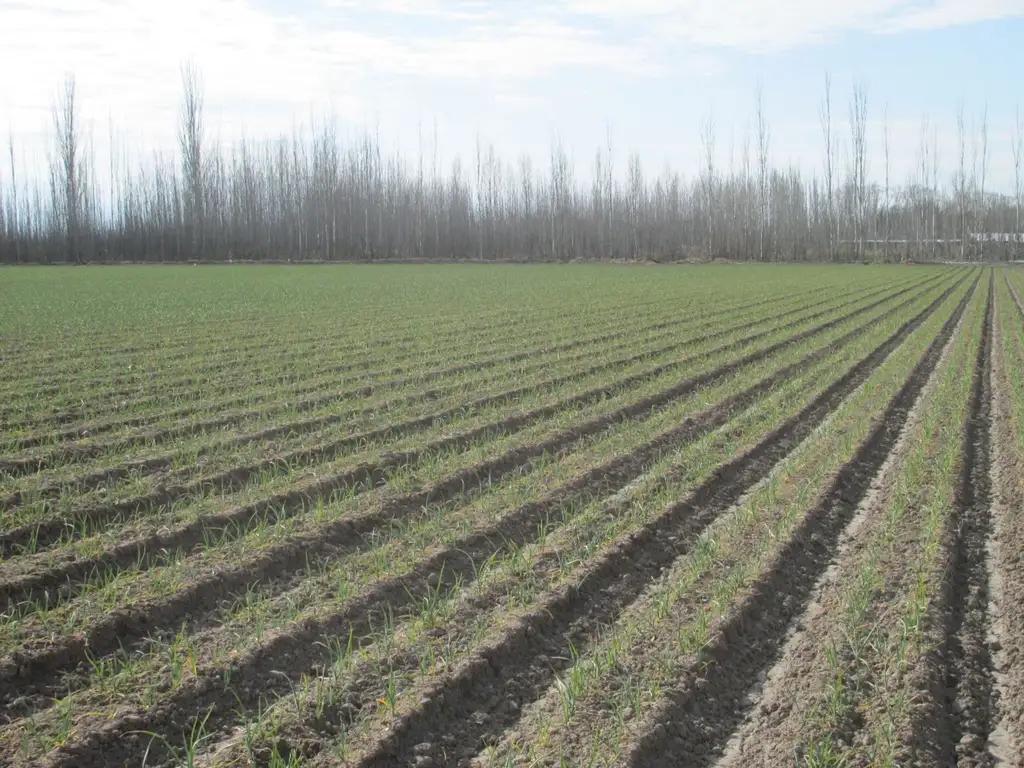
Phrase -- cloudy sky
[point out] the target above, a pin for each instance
(649, 72)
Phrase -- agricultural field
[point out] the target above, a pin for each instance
(512, 516)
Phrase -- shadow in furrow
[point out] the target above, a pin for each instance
(622, 577)
(701, 714)
(971, 703)
(50, 533)
(470, 711)
(65, 581)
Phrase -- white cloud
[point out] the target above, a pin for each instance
(522, 50)
(269, 66)
(267, 63)
(461, 10)
(126, 55)
(950, 13)
(759, 26)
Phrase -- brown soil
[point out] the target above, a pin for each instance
(955, 709)
(83, 451)
(181, 352)
(203, 595)
(459, 562)
(492, 329)
(705, 708)
(123, 629)
(1008, 560)
(284, 652)
(310, 736)
(47, 534)
(776, 726)
(60, 582)
(76, 451)
(312, 403)
(291, 652)
(470, 709)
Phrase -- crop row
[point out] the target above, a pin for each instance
(333, 389)
(277, 360)
(542, 542)
(468, 425)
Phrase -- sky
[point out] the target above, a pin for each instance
(647, 75)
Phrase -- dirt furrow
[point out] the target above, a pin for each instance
(50, 533)
(298, 649)
(705, 708)
(1015, 296)
(401, 375)
(970, 677)
(77, 451)
(187, 350)
(173, 332)
(164, 390)
(277, 348)
(203, 595)
(957, 713)
(835, 688)
(375, 473)
(454, 561)
(177, 350)
(464, 708)
(172, 348)
(1007, 556)
(457, 563)
(98, 427)
(154, 464)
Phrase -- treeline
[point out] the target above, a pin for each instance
(310, 197)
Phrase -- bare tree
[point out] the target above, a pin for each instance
(14, 222)
(609, 190)
(961, 179)
(1018, 180)
(68, 170)
(420, 192)
(561, 201)
(635, 203)
(934, 189)
(980, 217)
(888, 201)
(923, 189)
(763, 141)
(312, 195)
(528, 200)
(746, 185)
(858, 135)
(709, 182)
(830, 158)
(112, 189)
(191, 142)
(929, 189)
(730, 200)
(481, 204)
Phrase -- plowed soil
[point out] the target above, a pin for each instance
(487, 531)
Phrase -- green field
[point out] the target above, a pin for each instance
(511, 515)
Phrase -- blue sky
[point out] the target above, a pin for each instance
(519, 73)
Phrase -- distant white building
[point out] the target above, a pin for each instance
(998, 237)
(976, 237)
